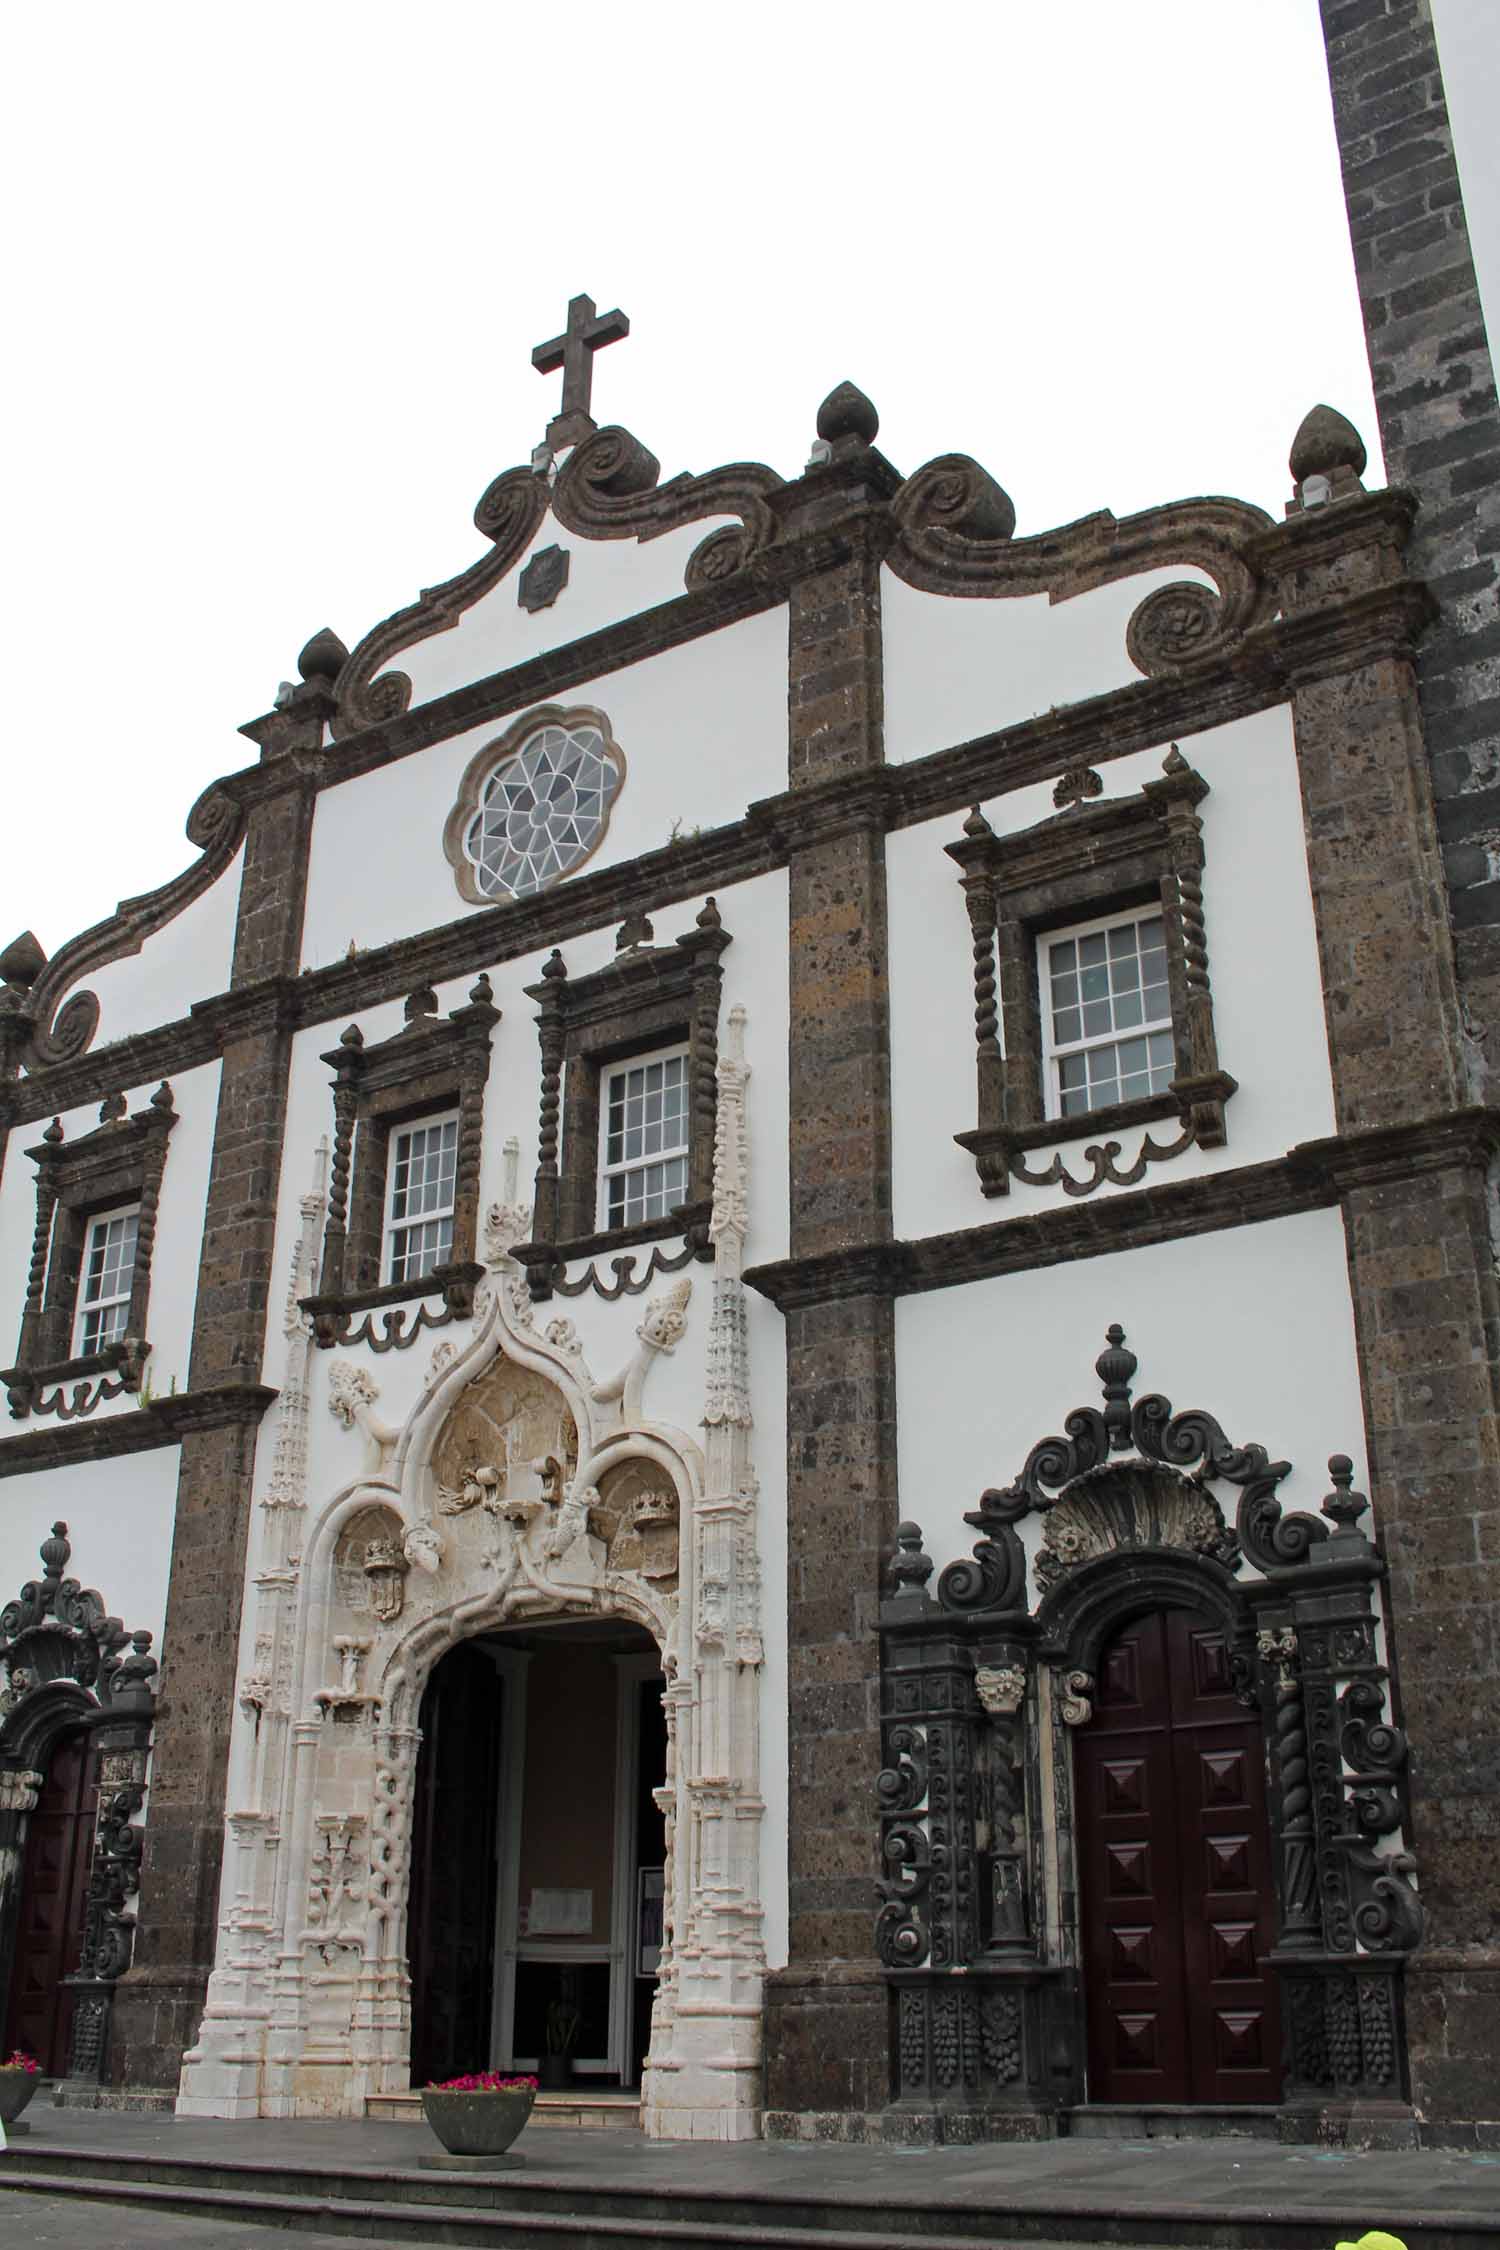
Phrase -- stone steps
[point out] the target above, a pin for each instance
(393, 2204)
(415, 2222)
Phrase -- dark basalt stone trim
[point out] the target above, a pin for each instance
(1312, 644)
(164, 1422)
(1091, 1124)
(187, 1043)
(1102, 728)
(1105, 727)
(607, 1240)
(1311, 1177)
(334, 1318)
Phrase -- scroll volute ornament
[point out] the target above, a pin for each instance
(955, 535)
(610, 488)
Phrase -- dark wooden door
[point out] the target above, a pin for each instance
(54, 1898)
(1177, 1898)
(451, 1916)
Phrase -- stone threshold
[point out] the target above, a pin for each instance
(1171, 2121)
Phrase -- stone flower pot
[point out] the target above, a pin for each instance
(476, 2129)
(16, 2090)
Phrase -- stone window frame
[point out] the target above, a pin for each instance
(119, 1164)
(1083, 865)
(647, 999)
(433, 1065)
(487, 762)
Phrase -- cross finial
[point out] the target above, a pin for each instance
(573, 351)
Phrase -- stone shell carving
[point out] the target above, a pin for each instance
(1130, 1507)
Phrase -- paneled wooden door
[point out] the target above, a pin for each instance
(54, 1899)
(1177, 1898)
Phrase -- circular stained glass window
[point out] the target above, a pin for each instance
(543, 808)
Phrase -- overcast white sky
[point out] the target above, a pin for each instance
(276, 271)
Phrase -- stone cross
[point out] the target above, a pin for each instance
(573, 352)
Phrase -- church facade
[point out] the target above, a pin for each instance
(755, 1346)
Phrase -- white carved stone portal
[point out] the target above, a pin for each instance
(520, 1488)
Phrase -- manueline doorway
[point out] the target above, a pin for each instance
(538, 1856)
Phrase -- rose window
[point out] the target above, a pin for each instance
(542, 810)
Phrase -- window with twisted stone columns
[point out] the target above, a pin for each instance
(83, 1324)
(403, 1188)
(629, 1096)
(1093, 1011)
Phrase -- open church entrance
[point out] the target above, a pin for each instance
(1178, 1899)
(537, 1855)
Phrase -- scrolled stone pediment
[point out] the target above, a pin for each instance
(1131, 1504)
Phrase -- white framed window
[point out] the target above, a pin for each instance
(421, 1172)
(643, 1151)
(105, 1279)
(1106, 1013)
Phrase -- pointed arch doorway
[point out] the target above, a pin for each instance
(538, 1848)
(1177, 1894)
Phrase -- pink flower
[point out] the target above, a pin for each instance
(483, 2082)
(31, 2066)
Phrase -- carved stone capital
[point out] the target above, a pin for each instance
(19, 1789)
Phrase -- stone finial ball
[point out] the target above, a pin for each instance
(1326, 442)
(324, 656)
(846, 412)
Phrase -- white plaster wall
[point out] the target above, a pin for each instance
(957, 668)
(179, 1232)
(179, 1229)
(1263, 962)
(608, 579)
(119, 1518)
(1253, 1324)
(187, 959)
(703, 728)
